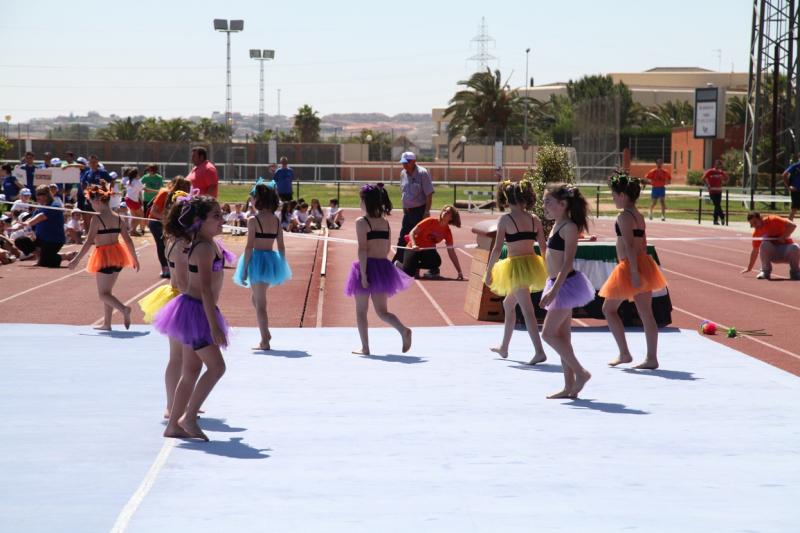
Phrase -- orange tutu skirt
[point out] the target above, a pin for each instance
(618, 286)
(109, 256)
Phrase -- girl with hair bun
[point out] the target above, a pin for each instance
(261, 266)
(522, 272)
(373, 276)
(194, 318)
(566, 288)
(109, 256)
(636, 275)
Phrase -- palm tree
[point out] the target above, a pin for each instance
(306, 122)
(120, 130)
(486, 110)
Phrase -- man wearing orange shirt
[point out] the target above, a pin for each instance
(780, 249)
(658, 178)
(204, 174)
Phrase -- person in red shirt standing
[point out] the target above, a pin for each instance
(779, 250)
(658, 178)
(204, 174)
(714, 178)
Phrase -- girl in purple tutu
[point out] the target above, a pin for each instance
(194, 318)
(565, 288)
(373, 275)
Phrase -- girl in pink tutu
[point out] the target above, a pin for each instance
(373, 275)
(565, 288)
(194, 318)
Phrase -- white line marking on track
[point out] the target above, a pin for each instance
(754, 339)
(693, 278)
(131, 299)
(26, 291)
(435, 305)
(125, 516)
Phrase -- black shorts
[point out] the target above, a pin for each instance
(795, 199)
(110, 270)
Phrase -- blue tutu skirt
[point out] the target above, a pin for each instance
(266, 266)
(382, 275)
(184, 318)
(576, 291)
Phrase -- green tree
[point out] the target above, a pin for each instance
(307, 124)
(486, 110)
(120, 130)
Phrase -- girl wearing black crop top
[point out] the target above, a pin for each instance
(373, 276)
(566, 288)
(522, 272)
(636, 275)
(109, 256)
(261, 267)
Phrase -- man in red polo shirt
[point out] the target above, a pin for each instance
(781, 249)
(204, 174)
(658, 178)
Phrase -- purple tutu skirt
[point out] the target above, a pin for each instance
(382, 275)
(183, 318)
(576, 291)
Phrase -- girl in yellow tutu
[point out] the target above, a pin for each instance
(522, 272)
(109, 256)
(177, 242)
(636, 275)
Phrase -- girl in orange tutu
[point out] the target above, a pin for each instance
(109, 256)
(635, 277)
(522, 272)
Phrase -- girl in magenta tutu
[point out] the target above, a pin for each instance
(373, 275)
(565, 288)
(194, 318)
(261, 266)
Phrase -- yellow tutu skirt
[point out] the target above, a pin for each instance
(618, 286)
(513, 273)
(156, 299)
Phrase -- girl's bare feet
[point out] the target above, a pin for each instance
(362, 351)
(559, 395)
(103, 327)
(190, 426)
(580, 381)
(406, 340)
(538, 358)
(621, 360)
(176, 432)
(126, 317)
(499, 351)
(648, 364)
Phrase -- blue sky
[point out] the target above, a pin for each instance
(163, 57)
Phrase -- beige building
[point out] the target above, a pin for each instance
(650, 88)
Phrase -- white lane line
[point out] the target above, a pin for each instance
(435, 305)
(131, 299)
(125, 516)
(754, 339)
(693, 278)
(22, 293)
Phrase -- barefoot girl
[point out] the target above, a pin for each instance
(566, 288)
(109, 256)
(261, 266)
(522, 272)
(635, 277)
(177, 245)
(373, 275)
(194, 318)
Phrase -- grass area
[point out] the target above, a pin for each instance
(678, 207)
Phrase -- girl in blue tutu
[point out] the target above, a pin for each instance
(522, 272)
(373, 275)
(261, 266)
(566, 288)
(194, 318)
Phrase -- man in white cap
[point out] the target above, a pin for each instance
(417, 194)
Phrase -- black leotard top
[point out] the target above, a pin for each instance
(520, 235)
(376, 234)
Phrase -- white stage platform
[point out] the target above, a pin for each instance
(445, 438)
